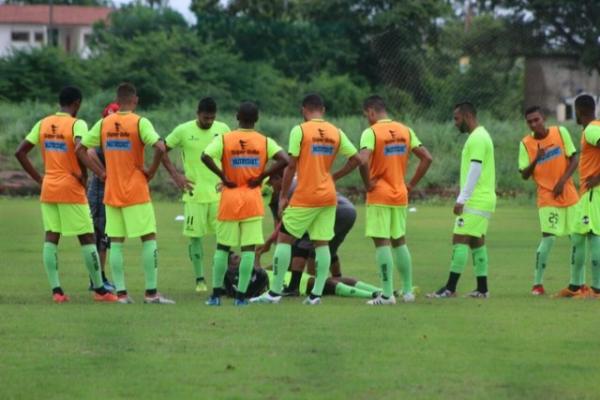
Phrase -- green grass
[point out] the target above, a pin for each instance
(510, 346)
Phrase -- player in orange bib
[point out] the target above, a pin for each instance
(385, 148)
(65, 209)
(243, 154)
(129, 210)
(550, 158)
(313, 147)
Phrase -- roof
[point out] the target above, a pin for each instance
(61, 15)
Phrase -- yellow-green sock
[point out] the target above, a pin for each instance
(541, 258)
(385, 264)
(322, 264)
(50, 258)
(578, 250)
(595, 256)
(92, 263)
(150, 261)
(115, 258)
(343, 290)
(220, 260)
(281, 263)
(460, 255)
(403, 262)
(245, 273)
(196, 254)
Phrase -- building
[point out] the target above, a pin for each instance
(553, 81)
(30, 26)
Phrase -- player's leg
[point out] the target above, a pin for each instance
(52, 227)
(552, 224)
(115, 229)
(402, 257)
(460, 256)
(480, 265)
(321, 231)
(594, 242)
(301, 253)
(220, 262)
(379, 227)
(251, 235)
(199, 220)
(579, 225)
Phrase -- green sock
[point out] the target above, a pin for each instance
(219, 268)
(403, 262)
(368, 287)
(92, 262)
(116, 264)
(281, 263)
(51, 264)
(322, 264)
(150, 261)
(341, 289)
(246, 265)
(460, 254)
(196, 254)
(577, 259)
(385, 263)
(541, 258)
(595, 255)
(480, 261)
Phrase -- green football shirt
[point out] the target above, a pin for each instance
(346, 147)
(479, 147)
(192, 140)
(567, 141)
(215, 148)
(592, 134)
(147, 133)
(80, 128)
(367, 139)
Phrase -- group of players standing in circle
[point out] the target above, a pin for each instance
(224, 172)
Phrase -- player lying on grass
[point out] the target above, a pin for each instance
(548, 156)
(244, 155)
(65, 209)
(260, 278)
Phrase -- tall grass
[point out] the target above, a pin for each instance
(442, 139)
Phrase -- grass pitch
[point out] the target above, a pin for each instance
(509, 346)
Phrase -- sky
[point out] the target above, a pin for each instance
(181, 6)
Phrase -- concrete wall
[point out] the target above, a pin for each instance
(551, 80)
(7, 44)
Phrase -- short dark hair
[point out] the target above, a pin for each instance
(69, 95)
(585, 104)
(533, 109)
(207, 105)
(125, 92)
(375, 102)
(248, 112)
(313, 101)
(466, 107)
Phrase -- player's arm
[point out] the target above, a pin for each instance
(425, 161)
(592, 137)
(528, 171)
(87, 143)
(214, 151)
(347, 149)
(363, 168)
(286, 183)
(159, 152)
(281, 161)
(22, 155)
(179, 179)
(467, 191)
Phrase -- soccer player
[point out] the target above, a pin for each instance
(243, 154)
(199, 184)
(549, 157)
(95, 195)
(588, 223)
(385, 148)
(475, 203)
(129, 210)
(65, 210)
(313, 146)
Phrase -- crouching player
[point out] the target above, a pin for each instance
(243, 154)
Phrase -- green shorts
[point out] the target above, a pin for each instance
(317, 221)
(240, 233)
(385, 221)
(588, 219)
(472, 222)
(200, 218)
(131, 221)
(68, 219)
(559, 221)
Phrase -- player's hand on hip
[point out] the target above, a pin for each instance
(228, 183)
(592, 181)
(183, 183)
(458, 209)
(255, 182)
(558, 189)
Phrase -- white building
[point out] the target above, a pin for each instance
(29, 26)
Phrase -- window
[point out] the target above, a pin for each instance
(19, 36)
(39, 37)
